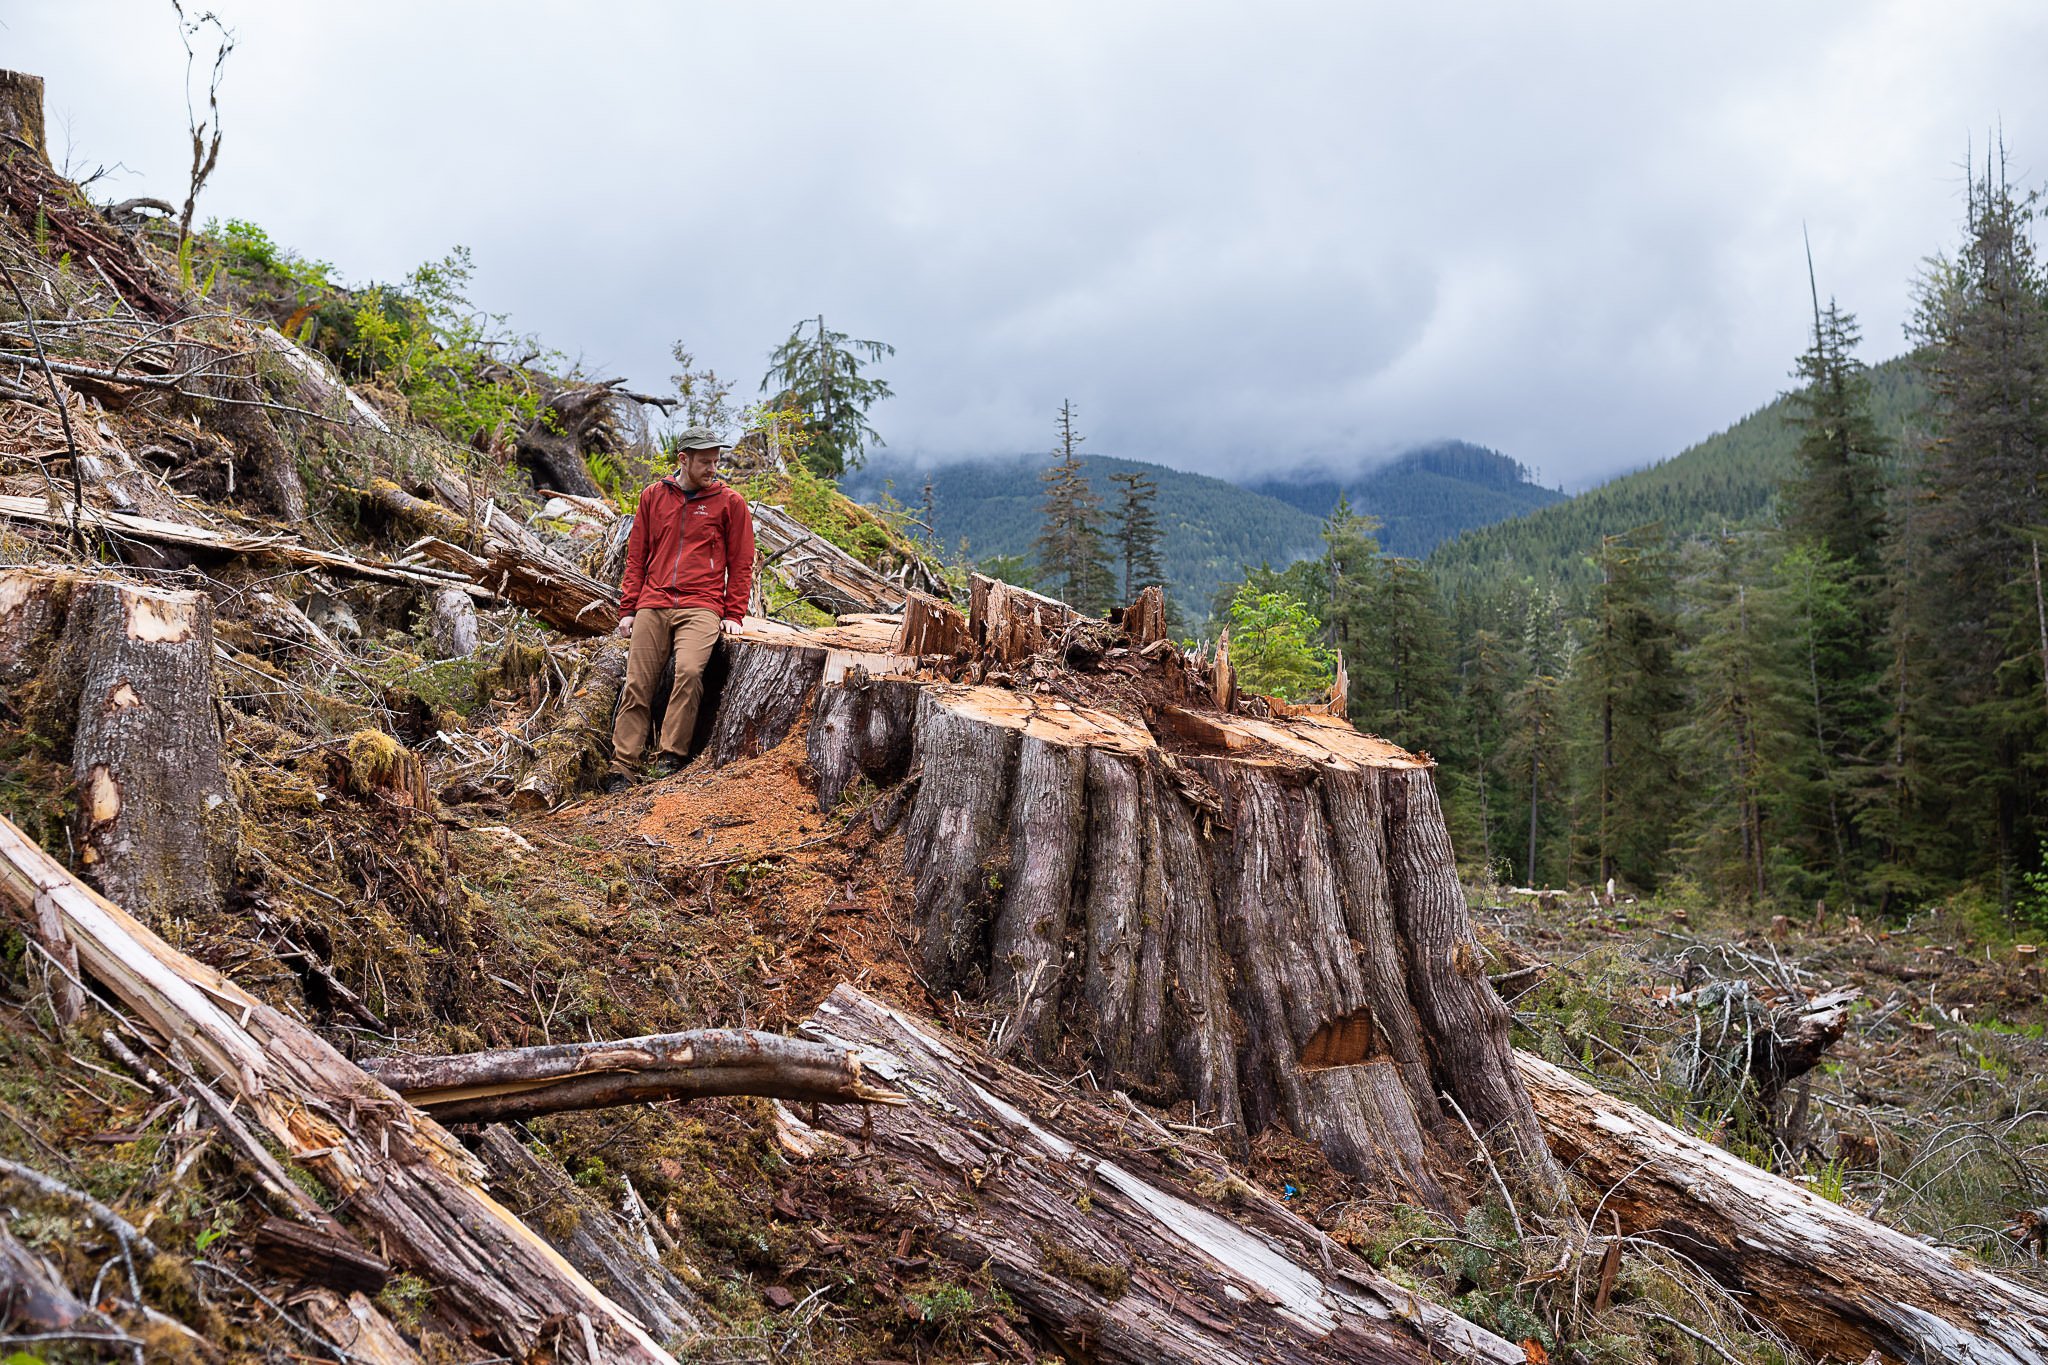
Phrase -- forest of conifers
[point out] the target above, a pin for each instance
(1835, 693)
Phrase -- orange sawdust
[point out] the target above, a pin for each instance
(812, 899)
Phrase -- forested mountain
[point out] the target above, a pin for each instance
(1425, 497)
(1209, 529)
(1729, 479)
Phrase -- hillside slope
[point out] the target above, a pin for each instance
(1210, 529)
(1730, 478)
(1423, 498)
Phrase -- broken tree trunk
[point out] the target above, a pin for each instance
(553, 446)
(931, 627)
(566, 598)
(572, 754)
(1185, 916)
(39, 511)
(399, 1174)
(526, 1082)
(1010, 624)
(125, 673)
(1118, 1256)
(590, 1236)
(1839, 1285)
(816, 569)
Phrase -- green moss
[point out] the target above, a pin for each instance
(1112, 1282)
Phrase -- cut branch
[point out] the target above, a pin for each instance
(519, 1083)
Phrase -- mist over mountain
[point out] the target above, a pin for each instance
(1424, 497)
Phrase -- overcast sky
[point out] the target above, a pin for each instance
(1237, 236)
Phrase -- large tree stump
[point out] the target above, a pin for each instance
(1118, 1256)
(124, 673)
(1268, 924)
(21, 112)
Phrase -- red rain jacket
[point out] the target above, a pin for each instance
(689, 550)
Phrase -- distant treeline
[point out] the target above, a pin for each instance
(1806, 659)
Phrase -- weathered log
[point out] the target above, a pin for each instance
(570, 756)
(526, 1082)
(451, 624)
(318, 1256)
(125, 675)
(284, 549)
(319, 386)
(1011, 623)
(565, 598)
(399, 1173)
(357, 1327)
(589, 1236)
(816, 569)
(1118, 1257)
(1839, 1285)
(21, 112)
(931, 627)
(32, 1294)
(1313, 965)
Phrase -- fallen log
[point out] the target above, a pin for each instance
(565, 598)
(816, 569)
(281, 548)
(1069, 881)
(590, 1236)
(399, 1174)
(572, 753)
(32, 1294)
(526, 1082)
(1838, 1285)
(1118, 1258)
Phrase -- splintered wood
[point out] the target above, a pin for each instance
(1011, 623)
(401, 1176)
(1017, 1178)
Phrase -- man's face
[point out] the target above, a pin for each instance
(699, 467)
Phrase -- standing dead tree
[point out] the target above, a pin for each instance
(205, 134)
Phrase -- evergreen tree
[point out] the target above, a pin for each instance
(1137, 532)
(1736, 725)
(817, 373)
(1273, 646)
(1533, 749)
(1628, 686)
(1835, 500)
(1973, 729)
(1072, 558)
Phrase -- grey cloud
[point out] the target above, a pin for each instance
(1281, 232)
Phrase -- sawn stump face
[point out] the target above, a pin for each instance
(1268, 926)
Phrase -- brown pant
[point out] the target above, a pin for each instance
(685, 634)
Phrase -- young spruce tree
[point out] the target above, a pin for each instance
(1073, 561)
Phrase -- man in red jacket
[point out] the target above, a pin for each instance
(689, 570)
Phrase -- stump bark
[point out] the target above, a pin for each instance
(125, 673)
(1265, 920)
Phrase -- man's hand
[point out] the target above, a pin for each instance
(626, 626)
(730, 627)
